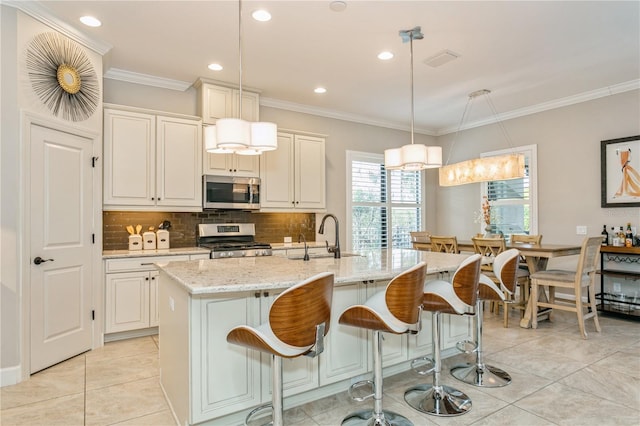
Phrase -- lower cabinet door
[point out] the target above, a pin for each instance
(298, 374)
(127, 301)
(154, 317)
(225, 376)
(346, 349)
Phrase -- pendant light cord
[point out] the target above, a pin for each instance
(240, 56)
(412, 101)
(495, 114)
(455, 136)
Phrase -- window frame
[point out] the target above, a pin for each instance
(373, 158)
(531, 152)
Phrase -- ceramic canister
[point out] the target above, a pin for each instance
(149, 240)
(162, 238)
(135, 242)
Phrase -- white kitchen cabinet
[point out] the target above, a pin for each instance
(346, 348)
(293, 176)
(151, 161)
(245, 380)
(215, 101)
(298, 374)
(131, 292)
(231, 165)
(394, 346)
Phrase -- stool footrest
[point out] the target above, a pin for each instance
(467, 346)
(358, 385)
(257, 410)
(423, 365)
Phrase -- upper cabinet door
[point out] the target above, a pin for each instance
(129, 155)
(179, 163)
(309, 173)
(216, 102)
(277, 174)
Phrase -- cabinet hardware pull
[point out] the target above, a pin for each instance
(265, 294)
(256, 294)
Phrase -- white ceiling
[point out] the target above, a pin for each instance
(531, 55)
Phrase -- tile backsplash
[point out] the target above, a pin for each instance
(270, 227)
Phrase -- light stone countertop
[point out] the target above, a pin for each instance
(116, 254)
(214, 276)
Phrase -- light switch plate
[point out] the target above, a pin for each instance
(581, 230)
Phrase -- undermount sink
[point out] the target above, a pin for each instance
(322, 256)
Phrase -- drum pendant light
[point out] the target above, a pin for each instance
(412, 156)
(236, 134)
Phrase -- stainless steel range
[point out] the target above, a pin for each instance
(231, 240)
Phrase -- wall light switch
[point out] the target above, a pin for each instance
(581, 230)
(172, 304)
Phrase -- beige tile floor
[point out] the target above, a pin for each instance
(558, 379)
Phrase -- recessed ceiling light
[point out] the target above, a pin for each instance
(261, 15)
(320, 90)
(385, 56)
(90, 21)
(215, 67)
(338, 6)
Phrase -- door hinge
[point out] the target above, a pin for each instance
(93, 161)
(93, 314)
(93, 238)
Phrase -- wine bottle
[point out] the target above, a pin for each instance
(628, 236)
(605, 235)
(611, 236)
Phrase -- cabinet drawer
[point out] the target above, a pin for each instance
(140, 263)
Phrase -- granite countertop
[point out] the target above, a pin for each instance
(116, 254)
(213, 276)
(290, 246)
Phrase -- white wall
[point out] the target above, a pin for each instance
(16, 32)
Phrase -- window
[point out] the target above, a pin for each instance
(385, 205)
(513, 202)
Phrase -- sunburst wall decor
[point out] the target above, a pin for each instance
(63, 77)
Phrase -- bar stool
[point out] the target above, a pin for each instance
(298, 322)
(459, 298)
(480, 374)
(395, 310)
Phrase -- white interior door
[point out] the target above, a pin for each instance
(61, 223)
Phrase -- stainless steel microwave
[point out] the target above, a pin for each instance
(228, 192)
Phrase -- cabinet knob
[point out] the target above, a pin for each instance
(152, 198)
(159, 198)
(153, 278)
(146, 279)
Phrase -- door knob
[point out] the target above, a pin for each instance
(38, 260)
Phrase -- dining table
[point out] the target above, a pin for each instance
(536, 257)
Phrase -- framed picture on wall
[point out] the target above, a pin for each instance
(620, 172)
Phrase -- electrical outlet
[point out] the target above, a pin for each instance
(617, 287)
(581, 230)
(172, 304)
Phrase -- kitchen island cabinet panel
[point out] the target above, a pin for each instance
(345, 352)
(226, 377)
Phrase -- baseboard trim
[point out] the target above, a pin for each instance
(10, 376)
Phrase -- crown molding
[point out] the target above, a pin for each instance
(338, 115)
(546, 106)
(37, 11)
(146, 79)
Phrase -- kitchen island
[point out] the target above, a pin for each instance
(209, 381)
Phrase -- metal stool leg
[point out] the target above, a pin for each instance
(437, 399)
(377, 417)
(480, 374)
(276, 406)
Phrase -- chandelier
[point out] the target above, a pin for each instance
(235, 135)
(412, 156)
(484, 169)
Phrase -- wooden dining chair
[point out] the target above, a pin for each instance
(579, 280)
(444, 244)
(492, 247)
(535, 239)
(526, 239)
